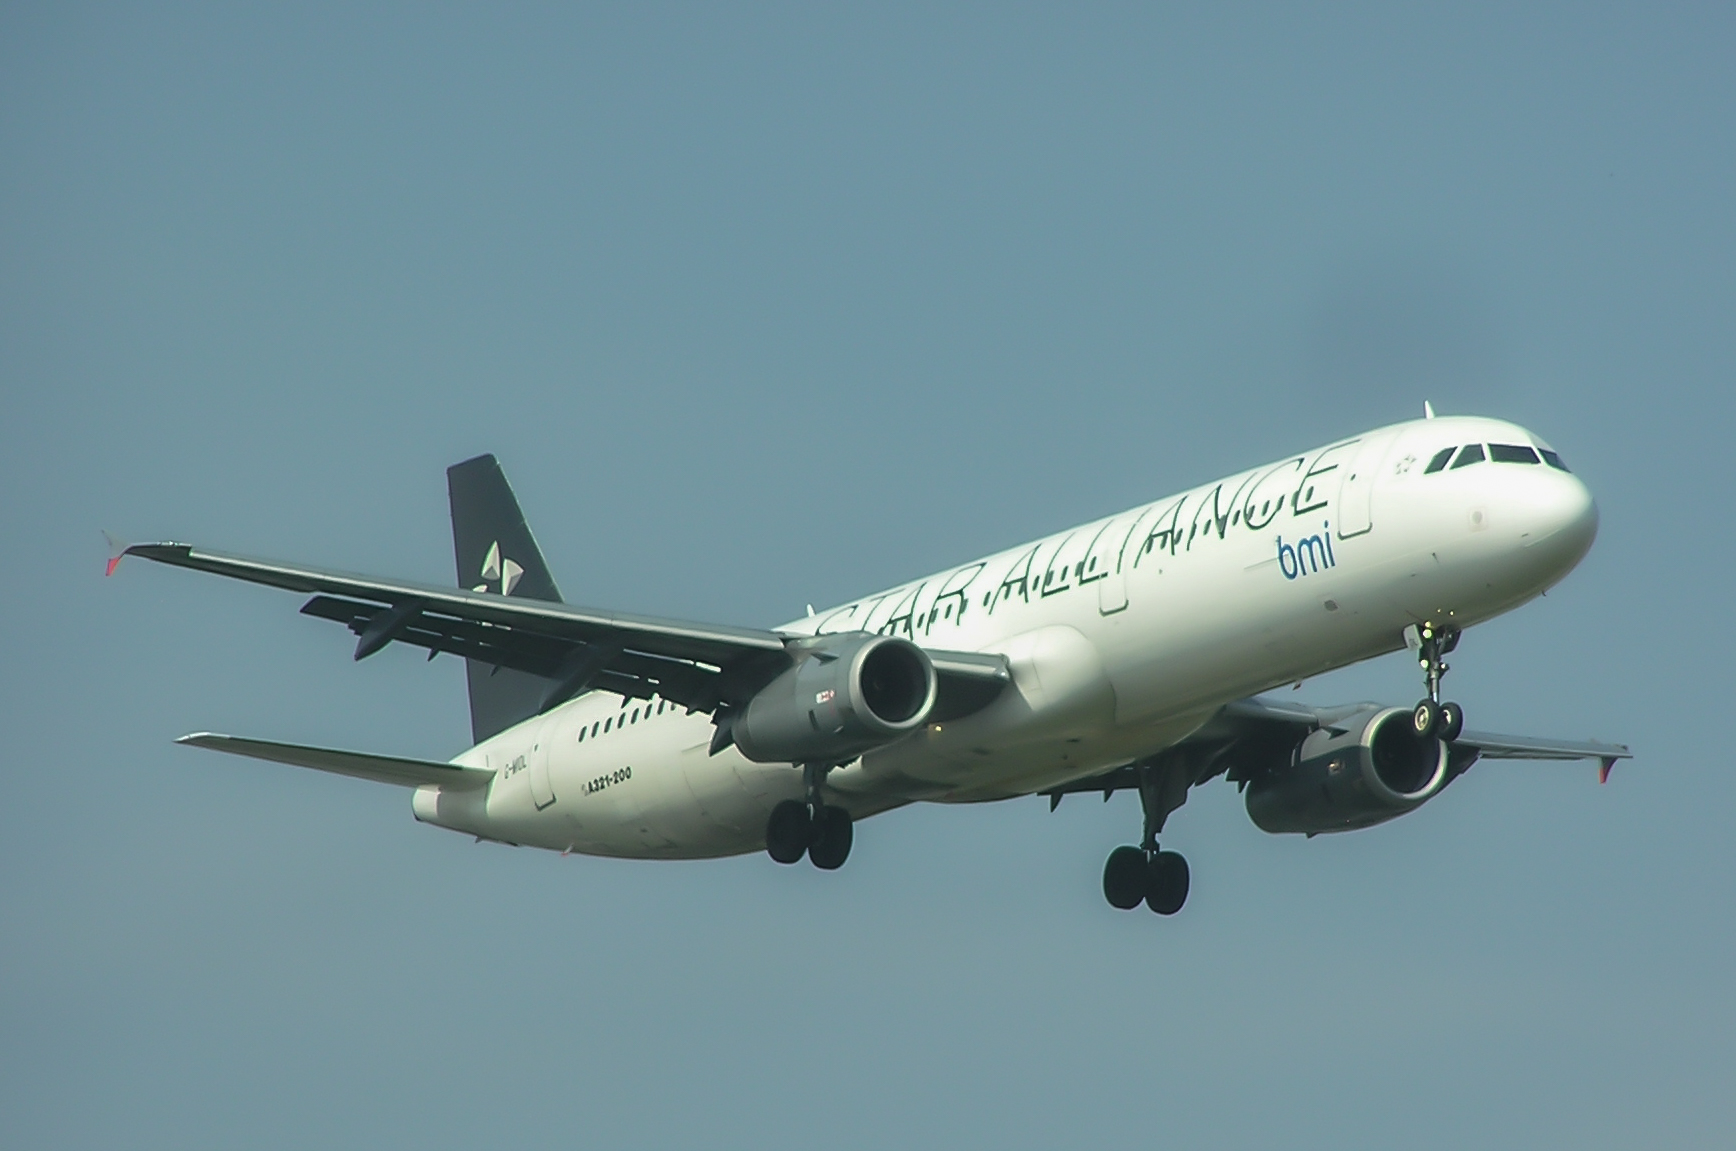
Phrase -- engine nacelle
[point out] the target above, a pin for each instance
(1365, 771)
(849, 693)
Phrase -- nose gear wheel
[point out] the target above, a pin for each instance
(1452, 721)
(1431, 718)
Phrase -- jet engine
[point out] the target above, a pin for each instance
(847, 694)
(1364, 770)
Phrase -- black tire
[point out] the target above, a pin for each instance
(788, 831)
(833, 835)
(1426, 719)
(1124, 878)
(1166, 883)
(1452, 721)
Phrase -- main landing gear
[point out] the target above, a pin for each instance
(1432, 719)
(1136, 875)
(809, 827)
(1143, 874)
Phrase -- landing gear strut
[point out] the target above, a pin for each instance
(1143, 874)
(1432, 719)
(809, 827)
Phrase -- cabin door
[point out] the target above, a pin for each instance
(542, 792)
(1111, 556)
(1356, 493)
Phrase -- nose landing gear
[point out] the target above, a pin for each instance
(1144, 874)
(796, 828)
(1432, 719)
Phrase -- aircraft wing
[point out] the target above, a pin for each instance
(1247, 733)
(699, 666)
(358, 765)
(1487, 745)
(1490, 746)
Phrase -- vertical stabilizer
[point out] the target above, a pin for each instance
(496, 553)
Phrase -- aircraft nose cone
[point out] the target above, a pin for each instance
(1563, 521)
(1574, 512)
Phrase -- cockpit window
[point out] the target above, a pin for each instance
(1468, 455)
(1439, 462)
(1512, 454)
(1553, 460)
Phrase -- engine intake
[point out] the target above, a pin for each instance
(1368, 770)
(848, 694)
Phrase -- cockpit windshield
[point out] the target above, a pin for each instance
(1468, 455)
(1512, 454)
(1498, 453)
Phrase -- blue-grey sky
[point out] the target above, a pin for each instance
(781, 304)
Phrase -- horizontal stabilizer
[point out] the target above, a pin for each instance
(382, 768)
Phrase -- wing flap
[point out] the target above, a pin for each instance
(358, 765)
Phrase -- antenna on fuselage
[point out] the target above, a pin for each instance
(1428, 410)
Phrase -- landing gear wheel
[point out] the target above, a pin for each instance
(1426, 719)
(1124, 878)
(1166, 883)
(832, 839)
(789, 831)
(1452, 722)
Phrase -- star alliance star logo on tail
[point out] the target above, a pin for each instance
(497, 570)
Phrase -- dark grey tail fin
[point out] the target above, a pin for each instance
(496, 553)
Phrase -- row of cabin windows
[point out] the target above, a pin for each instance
(604, 726)
(1497, 453)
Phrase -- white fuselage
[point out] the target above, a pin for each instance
(1123, 635)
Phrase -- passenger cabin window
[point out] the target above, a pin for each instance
(1468, 455)
(1439, 462)
(1553, 460)
(1512, 454)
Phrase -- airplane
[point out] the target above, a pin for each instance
(1127, 653)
